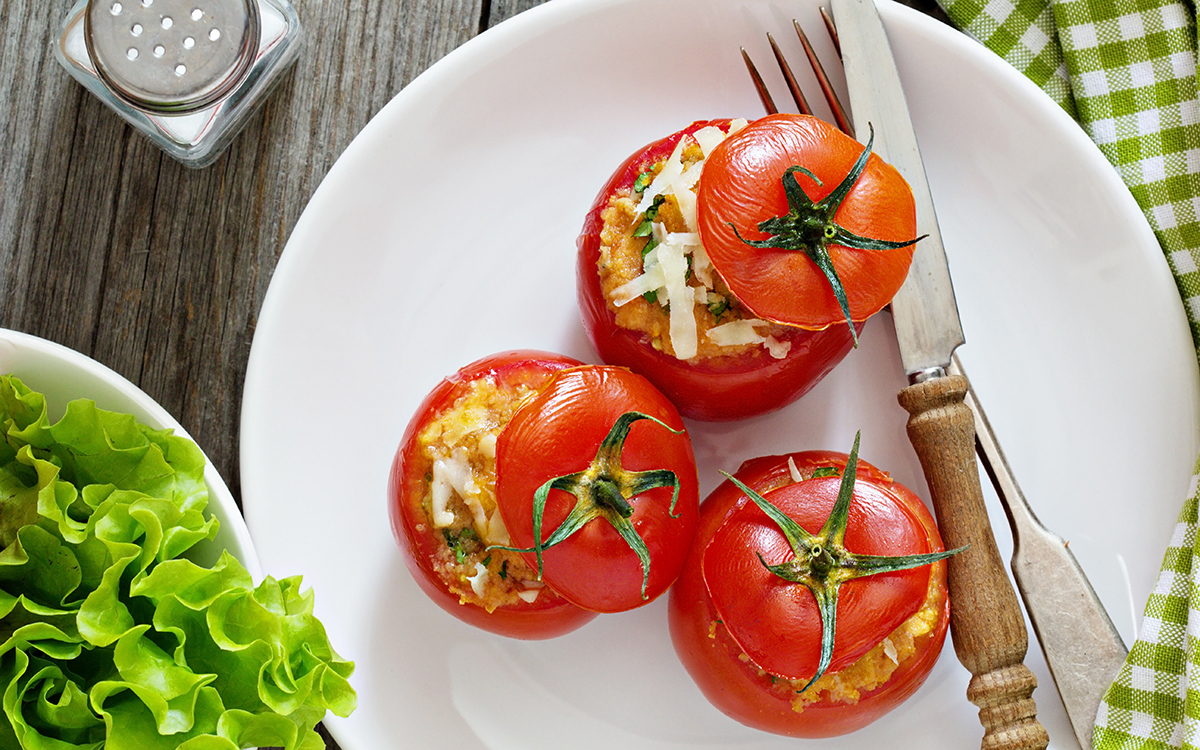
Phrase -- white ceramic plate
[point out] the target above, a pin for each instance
(63, 374)
(446, 232)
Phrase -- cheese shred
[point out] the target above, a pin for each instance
(676, 272)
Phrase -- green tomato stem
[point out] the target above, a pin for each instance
(603, 490)
(821, 563)
(809, 227)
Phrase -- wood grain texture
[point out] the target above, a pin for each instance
(986, 623)
(113, 249)
(158, 271)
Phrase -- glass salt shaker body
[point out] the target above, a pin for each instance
(186, 73)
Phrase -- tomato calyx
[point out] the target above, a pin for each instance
(809, 227)
(821, 563)
(603, 490)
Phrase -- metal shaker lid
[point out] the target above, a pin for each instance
(172, 56)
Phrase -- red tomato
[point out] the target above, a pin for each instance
(751, 640)
(715, 388)
(549, 614)
(567, 432)
(742, 187)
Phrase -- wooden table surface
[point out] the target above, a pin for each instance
(110, 247)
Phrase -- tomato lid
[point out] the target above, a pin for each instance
(778, 623)
(767, 245)
(596, 483)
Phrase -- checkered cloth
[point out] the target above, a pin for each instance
(1126, 70)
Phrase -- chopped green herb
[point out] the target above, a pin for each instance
(826, 471)
(719, 307)
(504, 571)
(652, 212)
(642, 182)
(487, 561)
(650, 245)
(646, 228)
(462, 543)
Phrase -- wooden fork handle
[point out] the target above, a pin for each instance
(985, 618)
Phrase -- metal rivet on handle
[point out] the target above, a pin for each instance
(172, 56)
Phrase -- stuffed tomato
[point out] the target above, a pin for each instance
(814, 599)
(531, 491)
(732, 264)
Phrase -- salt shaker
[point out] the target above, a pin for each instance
(186, 73)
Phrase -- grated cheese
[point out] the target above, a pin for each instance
(672, 260)
(776, 348)
(739, 332)
(708, 138)
(794, 471)
(672, 168)
(497, 532)
(666, 268)
(889, 649)
(487, 445)
(651, 280)
(702, 267)
(685, 196)
(451, 475)
(478, 580)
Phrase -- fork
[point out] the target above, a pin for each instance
(1083, 657)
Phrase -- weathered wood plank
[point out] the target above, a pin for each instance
(501, 10)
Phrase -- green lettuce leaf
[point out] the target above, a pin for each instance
(111, 638)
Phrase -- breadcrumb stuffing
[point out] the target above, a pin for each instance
(459, 448)
(621, 261)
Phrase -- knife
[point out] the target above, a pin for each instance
(986, 623)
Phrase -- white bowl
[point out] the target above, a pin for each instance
(63, 374)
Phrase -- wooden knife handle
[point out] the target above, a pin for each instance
(985, 618)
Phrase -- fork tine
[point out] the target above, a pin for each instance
(829, 27)
(835, 105)
(797, 94)
(763, 94)
(839, 112)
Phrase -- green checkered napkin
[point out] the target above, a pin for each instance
(1126, 69)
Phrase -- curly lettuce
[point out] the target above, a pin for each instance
(109, 638)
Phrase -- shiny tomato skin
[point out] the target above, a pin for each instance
(723, 389)
(715, 662)
(549, 615)
(558, 433)
(741, 187)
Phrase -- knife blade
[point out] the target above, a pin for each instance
(986, 623)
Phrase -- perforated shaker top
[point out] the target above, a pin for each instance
(172, 56)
